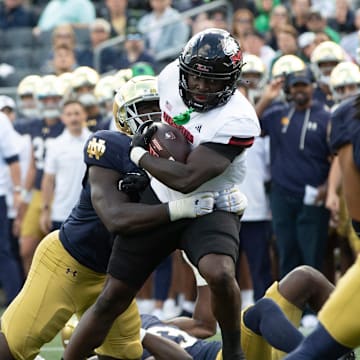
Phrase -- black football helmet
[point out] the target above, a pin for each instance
(212, 54)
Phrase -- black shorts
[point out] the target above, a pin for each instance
(134, 258)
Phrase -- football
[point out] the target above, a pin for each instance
(169, 143)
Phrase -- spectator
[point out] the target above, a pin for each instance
(316, 22)
(344, 19)
(254, 43)
(300, 10)
(100, 31)
(242, 22)
(163, 38)
(117, 13)
(200, 23)
(218, 16)
(286, 38)
(321, 37)
(299, 169)
(62, 36)
(262, 19)
(278, 18)
(306, 43)
(64, 60)
(134, 51)
(64, 168)
(13, 14)
(350, 42)
(57, 12)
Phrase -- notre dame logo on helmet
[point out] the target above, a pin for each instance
(96, 148)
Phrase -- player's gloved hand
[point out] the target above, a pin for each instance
(231, 200)
(192, 206)
(134, 182)
(141, 140)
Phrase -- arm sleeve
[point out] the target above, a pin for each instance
(51, 159)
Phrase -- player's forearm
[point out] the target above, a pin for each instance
(15, 174)
(334, 179)
(184, 178)
(131, 218)
(47, 190)
(196, 328)
(164, 349)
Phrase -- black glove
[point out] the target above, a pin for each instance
(144, 134)
(134, 182)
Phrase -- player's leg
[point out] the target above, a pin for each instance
(5, 353)
(212, 243)
(44, 304)
(129, 267)
(30, 231)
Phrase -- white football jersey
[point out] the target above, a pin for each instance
(224, 124)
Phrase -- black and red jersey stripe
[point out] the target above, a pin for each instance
(244, 142)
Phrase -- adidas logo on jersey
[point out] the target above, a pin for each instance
(198, 127)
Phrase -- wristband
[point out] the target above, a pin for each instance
(136, 154)
(142, 334)
(26, 196)
(179, 209)
(17, 189)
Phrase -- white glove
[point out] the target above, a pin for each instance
(192, 206)
(231, 200)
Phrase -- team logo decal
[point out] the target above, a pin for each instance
(232, 49)
(203, 68)
(96, 148)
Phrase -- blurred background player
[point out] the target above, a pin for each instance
(323, 59)
(26, 99)
(49, 94)
(83, 85)
(64, 167)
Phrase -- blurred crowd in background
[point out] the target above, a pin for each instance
(294, 50)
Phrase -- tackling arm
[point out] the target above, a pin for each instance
(116, 210)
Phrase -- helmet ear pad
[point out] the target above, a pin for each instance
(215, 55)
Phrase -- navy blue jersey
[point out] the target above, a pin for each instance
(197, 348)
(97, 123)
(320, 96)
(298, 145)
(40, 132)
(345, 129)
(83, 234)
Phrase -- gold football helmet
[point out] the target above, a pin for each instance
(121, 78)
(344, 80)
(26, 99)
(49, 93)
(254, 75)
(324, 58)
(68, 330)
(140, 89)
(67, 78)
(84, 79)
(104, 93)
(287, 64)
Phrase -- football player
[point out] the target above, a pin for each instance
(338, 329)
(323, 60)
(197, 95)
(267, 327)
(49, 93)
(69, 266)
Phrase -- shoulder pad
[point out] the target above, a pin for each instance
(109, 149)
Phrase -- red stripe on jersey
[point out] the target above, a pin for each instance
(244, 142)
(188, 136)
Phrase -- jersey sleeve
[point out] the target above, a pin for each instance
(110, 150)
(8, 146)
(51, 158)
(339, 122)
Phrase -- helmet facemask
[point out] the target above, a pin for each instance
(215, 55)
